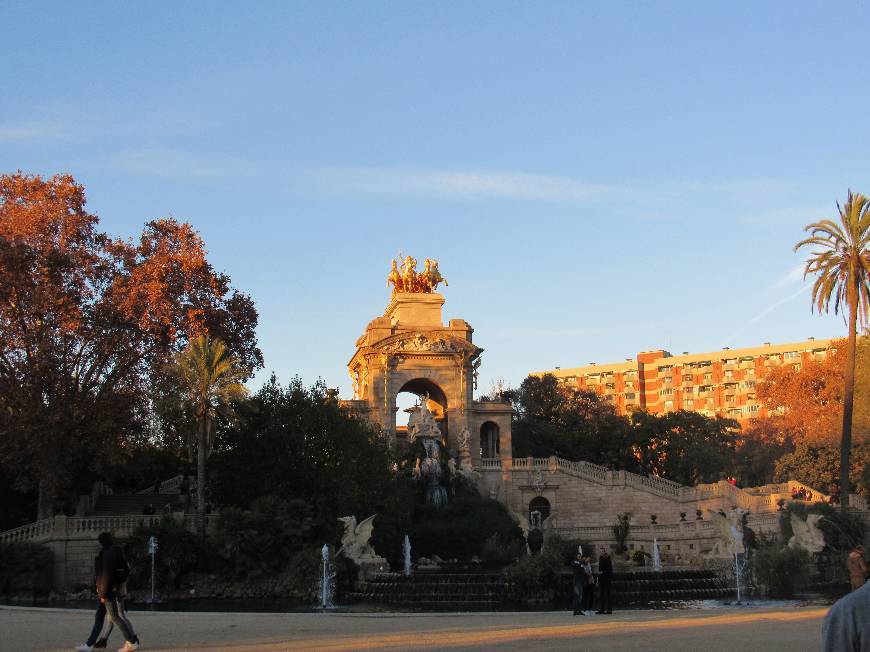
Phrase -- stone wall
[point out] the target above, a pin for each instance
(585, 494)
(73, 541)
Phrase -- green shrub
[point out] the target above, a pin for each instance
(261, 541)
(537, 577)
(303, 572)
(779, 569)
(461, 529)
(178, 552)
(498, 552)
(621, 529)
(639, 557)
(25, 568)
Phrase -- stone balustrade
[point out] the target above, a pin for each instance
(713, 495)
(76, 528)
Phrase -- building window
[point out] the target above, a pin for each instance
(708, 376)
(666, 392)
(669, 405)
(629, 397)
(688, 390)
(790, 354)
(689, 403)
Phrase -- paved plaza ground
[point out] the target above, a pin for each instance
(791, 629)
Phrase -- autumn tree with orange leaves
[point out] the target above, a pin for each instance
(808, 402)
(88, 324)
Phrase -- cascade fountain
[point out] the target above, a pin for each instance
(406, 549)
(327, 580)
(422, 424)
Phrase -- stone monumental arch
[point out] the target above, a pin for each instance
(410, 349)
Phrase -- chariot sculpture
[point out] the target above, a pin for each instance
(406, 278)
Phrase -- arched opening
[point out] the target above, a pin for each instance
(410, 395)
(540, 505)
(489, 440)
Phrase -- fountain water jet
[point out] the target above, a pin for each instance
(406, 549)
(657, 555)
(327, 580)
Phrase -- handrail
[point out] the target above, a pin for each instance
(63, 527)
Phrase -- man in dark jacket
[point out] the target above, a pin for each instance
(605, 575)
(110, 571)
(581, 580)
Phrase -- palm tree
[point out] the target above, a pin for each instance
(210, 378)
(841, 264)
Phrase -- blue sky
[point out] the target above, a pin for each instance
(596, 179)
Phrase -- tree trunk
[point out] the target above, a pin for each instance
(848, 397)
(200, 478)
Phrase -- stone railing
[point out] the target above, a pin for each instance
(63, 527)
(755, 499)
(653, 484)
(587, 470)
(37, 531)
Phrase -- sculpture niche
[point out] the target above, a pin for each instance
(428, 470)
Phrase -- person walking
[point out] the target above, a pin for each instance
(605, 575)
(857, 567)
(110, 573)
(107, 626)
(578, 570)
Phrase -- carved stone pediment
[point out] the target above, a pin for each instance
(433, 342)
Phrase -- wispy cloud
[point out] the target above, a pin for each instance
(33, 131)
(769, 309)
(776, 304)
(792, 276)
(178, 164)
(458, 184)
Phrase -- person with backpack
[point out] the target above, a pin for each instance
(110, 574)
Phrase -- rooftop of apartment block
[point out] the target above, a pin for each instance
(654, 356)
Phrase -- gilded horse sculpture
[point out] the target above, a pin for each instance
(408, 279)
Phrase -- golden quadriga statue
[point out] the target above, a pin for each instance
(406, 278)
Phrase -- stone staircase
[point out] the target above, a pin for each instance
(118, 505)
(433, 591)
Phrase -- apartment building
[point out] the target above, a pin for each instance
(719, 382)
